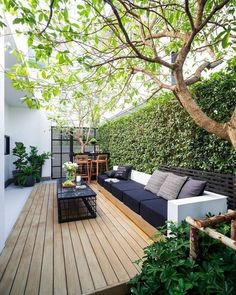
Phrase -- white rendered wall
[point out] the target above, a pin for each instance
(2, 226)
(32, 128)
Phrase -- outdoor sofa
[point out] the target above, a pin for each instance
(154, 209)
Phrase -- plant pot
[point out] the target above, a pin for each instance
(14, 175)
(40, 175)
(30, 181)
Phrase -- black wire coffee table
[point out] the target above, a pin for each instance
(75, 203)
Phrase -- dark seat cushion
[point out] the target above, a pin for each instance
(101, 179)
(110, 173)
(107, 185)
(118, 188)
(133, 198)
(154, 211)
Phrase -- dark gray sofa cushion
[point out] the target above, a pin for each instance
(107, 185)
(110, 173)
(101, 179)
(154, 211)
(156, 180)
(133, 198)
(192, 188)
(118, 188)
(171, 187)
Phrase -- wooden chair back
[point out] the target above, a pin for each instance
(102, 158)
(81, 159)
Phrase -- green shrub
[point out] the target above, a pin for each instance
(167, 269)
(162, 133)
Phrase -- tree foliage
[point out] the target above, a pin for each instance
(161, 133)
(119, 50)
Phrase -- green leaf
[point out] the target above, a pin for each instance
(41, 16)
(18, 21)
(44, 75)
(225, 40)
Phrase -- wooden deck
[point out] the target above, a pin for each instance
(92, 256)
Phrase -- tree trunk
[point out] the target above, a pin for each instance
(82, 147)
(225, 131)
(231, 129)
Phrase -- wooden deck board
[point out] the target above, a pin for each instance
(93, 256)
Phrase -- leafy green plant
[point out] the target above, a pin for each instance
(27, 172)
(20, 152)
(37, 160)
(167, 269)
(93, 140)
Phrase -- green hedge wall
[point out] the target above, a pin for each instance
(163, 133)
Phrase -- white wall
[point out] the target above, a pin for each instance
(2, 226)
(30, 127)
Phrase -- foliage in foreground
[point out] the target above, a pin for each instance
(167, 268)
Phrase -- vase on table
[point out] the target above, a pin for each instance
(70, 175)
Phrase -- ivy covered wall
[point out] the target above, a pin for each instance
(163, 133)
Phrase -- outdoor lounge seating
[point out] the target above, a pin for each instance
(154, 209)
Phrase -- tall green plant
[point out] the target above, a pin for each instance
(20, 152)
(37, 160)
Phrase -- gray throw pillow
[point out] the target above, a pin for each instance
(171, 186)
(156, 181)
(192, 188)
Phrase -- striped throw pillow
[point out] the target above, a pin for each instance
(156, 181)
(171, 186)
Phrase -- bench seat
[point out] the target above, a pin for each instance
(133, 198)
(120, 188)
(154, 211)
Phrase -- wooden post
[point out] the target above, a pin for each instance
(194, 249)
(212, 233)
(233, 230)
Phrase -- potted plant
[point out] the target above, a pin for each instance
(20, 152)
(93, 141)
(37, 160)
(27, 176)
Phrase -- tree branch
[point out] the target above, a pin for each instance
(49, 18)
(187, 10)
(201, 4)
(139, 54)
(170, 34)
(197, 75)
(153, 77)
(214, 10)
